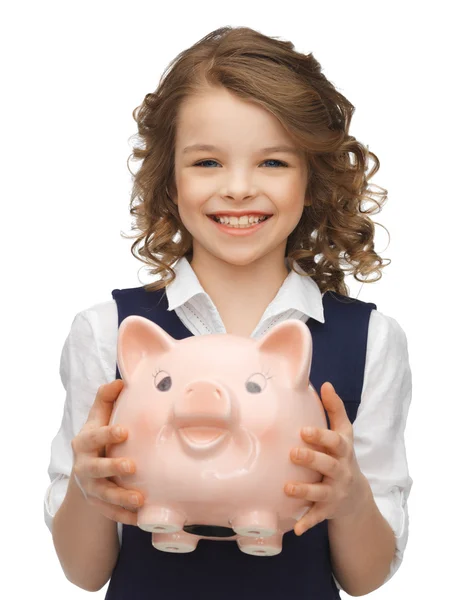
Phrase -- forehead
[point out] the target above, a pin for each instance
(215, 352)
(215, 345)
(221, 119)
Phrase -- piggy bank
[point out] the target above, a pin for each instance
(211, 421)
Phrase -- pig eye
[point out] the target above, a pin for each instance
(162, 381)
(256, 383)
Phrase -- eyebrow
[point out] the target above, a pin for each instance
(210, 148)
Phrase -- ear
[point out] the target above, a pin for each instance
(291, 341)
(139, 338)
(172, 195)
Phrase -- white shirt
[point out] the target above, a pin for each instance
(89, 357)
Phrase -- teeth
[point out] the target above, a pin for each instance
(244, 221)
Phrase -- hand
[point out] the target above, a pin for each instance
(343, 488)
(91, 468)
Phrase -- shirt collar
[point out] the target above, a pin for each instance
(297, 292)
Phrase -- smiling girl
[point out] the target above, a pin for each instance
(249, 206)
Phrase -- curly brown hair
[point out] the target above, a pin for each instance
(334, 234)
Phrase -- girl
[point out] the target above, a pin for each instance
(252, 188)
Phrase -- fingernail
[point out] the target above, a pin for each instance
(134, 499)
(118, 431)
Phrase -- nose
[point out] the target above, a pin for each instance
(203, 403)
(240, 188)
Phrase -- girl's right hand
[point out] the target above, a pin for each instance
(91, 468)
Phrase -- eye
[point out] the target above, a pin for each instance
(204, 161)
(162, 381)
(256, 383)
(280, 162)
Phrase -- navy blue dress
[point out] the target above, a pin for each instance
(219, 570)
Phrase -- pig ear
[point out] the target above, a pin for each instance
(291, 341)
(139, 338)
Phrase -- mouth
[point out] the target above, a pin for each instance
(247, 221)
(240, 228)
(202, 438)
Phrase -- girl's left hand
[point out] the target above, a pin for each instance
(344, 488)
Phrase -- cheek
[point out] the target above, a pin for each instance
(290, 196)
(189, 208)
(292, 212)
(193, 189)
(191, 200)
(259, 414)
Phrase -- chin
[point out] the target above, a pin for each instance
(239, 261)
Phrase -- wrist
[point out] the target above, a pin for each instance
(75, 483)
(365, 504)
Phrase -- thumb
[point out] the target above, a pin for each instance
(101, 410)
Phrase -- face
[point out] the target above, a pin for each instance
(237, 175)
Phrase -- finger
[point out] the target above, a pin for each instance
(317, 461)
(90, 440)
(115, 513)
(331, 441)
(101, 410)
(109, 492)
(335, 409)
(97, 467)
(313, 492)
(312, 517)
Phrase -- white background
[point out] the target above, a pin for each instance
(72, 72)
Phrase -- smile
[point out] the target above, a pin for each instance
(241, 226)
(202, 438)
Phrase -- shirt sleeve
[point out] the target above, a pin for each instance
(380, 425)
(82, 372)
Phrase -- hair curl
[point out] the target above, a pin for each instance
(334, 234)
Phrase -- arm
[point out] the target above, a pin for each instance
(86, 541)
(362, 548)
(380, 449)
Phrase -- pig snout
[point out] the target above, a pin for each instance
(203, 414)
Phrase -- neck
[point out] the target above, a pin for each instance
(249, 287)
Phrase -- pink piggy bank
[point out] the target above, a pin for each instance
(211, 422)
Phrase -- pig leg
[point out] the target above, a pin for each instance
(158, 519)
(261, 546)
(256, 523)
(179, 542)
